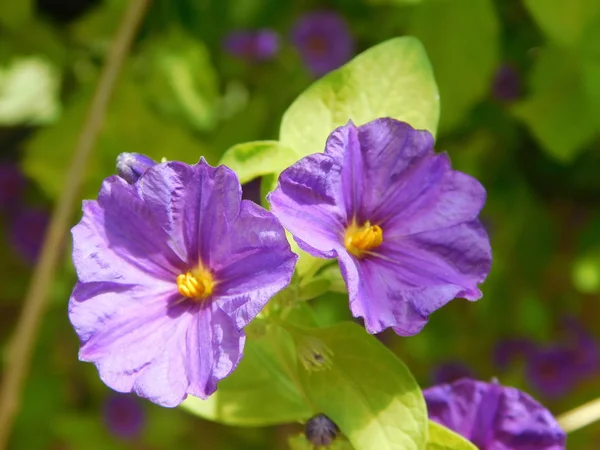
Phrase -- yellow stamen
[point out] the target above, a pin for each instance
(196, 284)
(359, 240)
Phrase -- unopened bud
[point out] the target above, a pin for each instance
(131, 166)
(320, 430)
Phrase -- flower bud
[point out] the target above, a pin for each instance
(320, 430)
(131, 166)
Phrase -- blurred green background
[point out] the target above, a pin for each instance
(519, 88)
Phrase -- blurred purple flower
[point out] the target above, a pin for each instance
(450, 371)
(12, 183)
(252, 45)
(494, 417)
(27, 232)
(124, 416)
(585, 350)
(506, 86)
(550, 371)
(323, 40)
(507, 350)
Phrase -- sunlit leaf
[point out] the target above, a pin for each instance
(441, 438)
(392, 79)
(368, 392)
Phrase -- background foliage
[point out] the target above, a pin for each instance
(519, 86)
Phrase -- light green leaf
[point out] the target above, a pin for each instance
(254, 159)
(441, 438)
(129, 126)
(462, 40)
(563, 21)
(558, 112)
(29, 90)
(299, 442)
(180, 79)
(259, 392)
(392, 79)
(368, 392)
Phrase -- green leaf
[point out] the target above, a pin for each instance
(563, 21)
(558, 112)
(299, 442)
(591, 66)
(462, 41)
(392, 79)
(29, 90)
(441, 438)
(368, 392)
(14, 14)
(259, 392)
(129, 126)
(254, 159)
(179, 78)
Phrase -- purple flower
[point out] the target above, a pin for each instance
(27, 232)
(124, 416)
(506, 86)
(170, 270)
(252, 45)
(323, 40)
(12, 184)
(550, 370)
(584, 349)
(402, 223)
(451, 371)
(494, 417)
(131, 166)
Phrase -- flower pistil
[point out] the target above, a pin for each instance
(359, 240)
(196, 284)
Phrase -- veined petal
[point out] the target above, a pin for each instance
(308, 203)
(252, 264)
(119, 239)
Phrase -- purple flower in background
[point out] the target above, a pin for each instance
(584, 349)
(451, 371)
(12, 184)
(124, 416)
(131, 166)
(252, 45)
(170, 270)
(402, 223)
(323, 40)
(494, 417)
(27, 232)
(550, 371)
(507, 350)
(506, 86)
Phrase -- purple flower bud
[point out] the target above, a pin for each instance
(124, 416)
(131, 166)
(323, 40)
(27, 232)
(320, 430)
(12, 183)
(506, 86)
(252, 45)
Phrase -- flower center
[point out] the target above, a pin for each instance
(359, 240)
(196, 284)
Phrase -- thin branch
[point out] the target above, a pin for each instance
(580, 417)
(26, 331)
